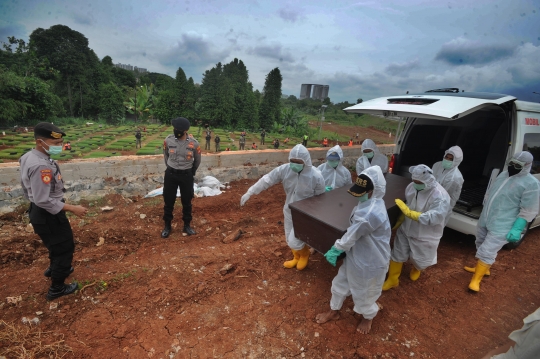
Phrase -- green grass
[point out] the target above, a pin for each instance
(99, 154)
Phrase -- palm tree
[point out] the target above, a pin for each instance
(142, 102)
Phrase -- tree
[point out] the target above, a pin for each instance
(217, 98)
(26, 98)
(111, 106)
(66, 50)
(270, 109)
(167, 106)
(142, 102)
(107, 61)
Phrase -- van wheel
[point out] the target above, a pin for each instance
(514, 245)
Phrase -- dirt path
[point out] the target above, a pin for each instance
(173, 298)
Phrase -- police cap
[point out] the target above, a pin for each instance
(362, 185)
(180, 124)
(48, 130)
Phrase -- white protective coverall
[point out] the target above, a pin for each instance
(419, 240)
(507, 199)
(335, 177)
(452, 179)
(379, 182)
(308, 183)
(378, 159)
(367, 244)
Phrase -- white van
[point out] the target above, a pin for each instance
(489, 128)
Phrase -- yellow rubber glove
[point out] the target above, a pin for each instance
(407, 211)
(399, 222)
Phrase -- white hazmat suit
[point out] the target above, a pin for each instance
(367, 244)
(451, 179)
(335, 177)
(419, 240)
(308, 183)
(508, 198)
(378, 159)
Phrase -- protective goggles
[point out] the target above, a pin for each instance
(516, 164)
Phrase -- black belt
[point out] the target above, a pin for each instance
(174, 170)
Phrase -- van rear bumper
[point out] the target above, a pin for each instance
(463, 224)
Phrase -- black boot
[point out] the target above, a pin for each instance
(167, 230)
(59, 289)
(189, 230)
(48, 272)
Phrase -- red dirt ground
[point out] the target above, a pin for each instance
(166, 298)
(378, 136)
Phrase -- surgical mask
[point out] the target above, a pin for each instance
(369, 155)
(296, 167)
(333, 164)
(513, 171)
(363, 198)
(447, 164)
(53, 150)
(419, 186)
(178, 134)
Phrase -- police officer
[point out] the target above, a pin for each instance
(182, 156)
(43, 186)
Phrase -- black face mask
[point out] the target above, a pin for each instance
(512, 171)
(179, 134)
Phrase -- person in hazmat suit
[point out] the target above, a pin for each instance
(421, 226)
(446, 172)
(511, 203)
(367, 247)
(300, 181)
(334, 173)
(371, 156)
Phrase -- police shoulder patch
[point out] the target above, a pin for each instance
(46, 176)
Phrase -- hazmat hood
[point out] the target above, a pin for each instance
(435, 106)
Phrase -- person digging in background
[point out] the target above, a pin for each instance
(371, 156)
(43, 186)
(334, 173)
(300, 181)
(446, 172)
(367, 245)
(511, 202)
(420, 226)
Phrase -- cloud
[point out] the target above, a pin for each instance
(289, 15)
(192, 50)
(13, 29)
(83, 19)
(402, 69)
(461, 51)
(375, 5)
(275, 51)
(517, 75)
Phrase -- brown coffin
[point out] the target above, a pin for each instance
(319, 221)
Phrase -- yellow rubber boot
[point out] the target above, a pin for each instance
(304, 258)
(393, 275)
(480, 271)
(473, 269)
(415, 274)
(292, 263)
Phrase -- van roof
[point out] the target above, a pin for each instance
(479, 95)
(527, 106)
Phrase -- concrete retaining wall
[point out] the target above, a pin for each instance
(137, 175)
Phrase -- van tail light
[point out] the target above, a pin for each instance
(391, 164)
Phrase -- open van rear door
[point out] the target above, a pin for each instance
(436, 107)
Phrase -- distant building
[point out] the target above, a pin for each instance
(320, 92)
(131, 68)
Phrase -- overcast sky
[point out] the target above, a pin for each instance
(362, 49)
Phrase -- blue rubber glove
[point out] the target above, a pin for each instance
(328, 188)
(332, 255)
(515, 233)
